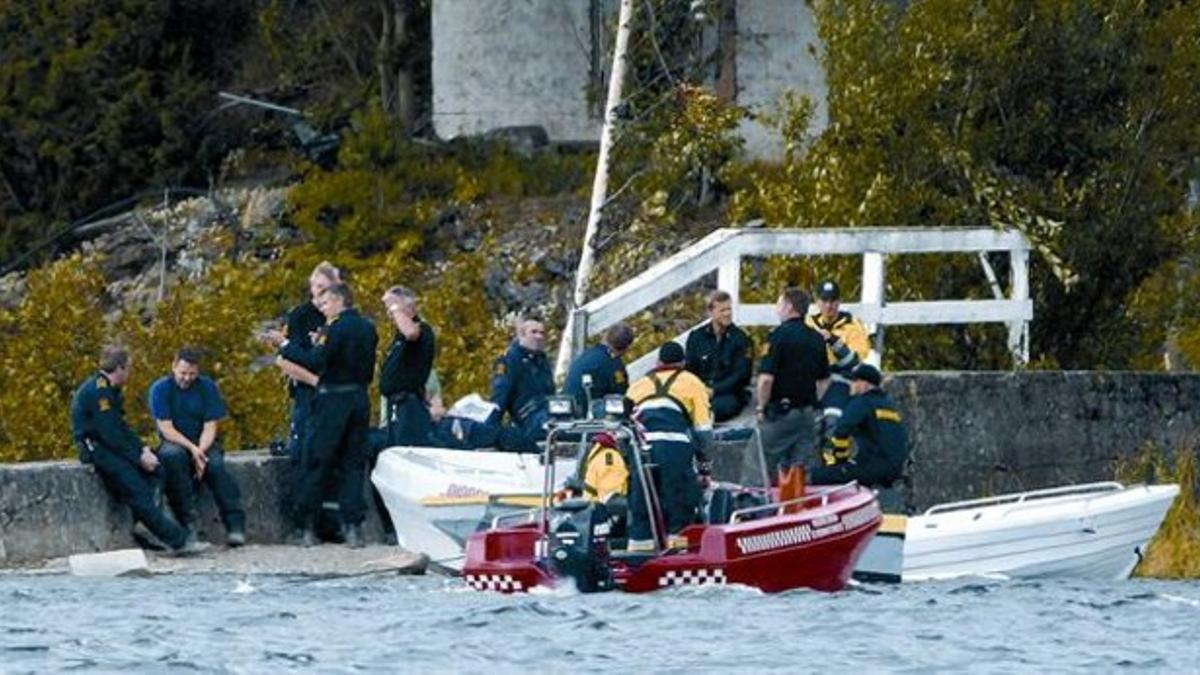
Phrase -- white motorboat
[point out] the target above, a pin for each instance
(438, 497)
(1094, 531)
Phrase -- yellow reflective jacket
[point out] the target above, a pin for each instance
(846, 328)
(604, 473)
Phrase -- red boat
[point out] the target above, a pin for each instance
(772, 539)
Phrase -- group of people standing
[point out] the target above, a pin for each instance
(328, 352)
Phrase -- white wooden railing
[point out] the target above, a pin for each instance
(724, 249)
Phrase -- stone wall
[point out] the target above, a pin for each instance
(974, 434)
(513, 63)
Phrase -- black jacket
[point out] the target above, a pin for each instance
(723, 364)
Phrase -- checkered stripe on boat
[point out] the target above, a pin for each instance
(494, 582)
(698, 577)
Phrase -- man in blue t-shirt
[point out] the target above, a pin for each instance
(187, 407)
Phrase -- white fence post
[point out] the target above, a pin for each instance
(1018, 331)
(729, 279)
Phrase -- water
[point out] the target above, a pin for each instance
(433, 624)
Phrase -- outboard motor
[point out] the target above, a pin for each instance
(578, 545)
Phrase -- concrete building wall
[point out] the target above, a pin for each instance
(973, 434)
(513, 62)
(777, 52)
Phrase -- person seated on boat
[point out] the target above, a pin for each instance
(880, 445)
(603, 364)
(671, 409)
(846, 343)
(521, 381)
(719, 354)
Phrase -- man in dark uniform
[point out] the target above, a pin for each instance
(877, 429)
(719, 354)
(344, 359)
(602, 364)
(406, 370)
(521, 381)
(303, 321)
(104, 439)
(187, 407)
(792, 376)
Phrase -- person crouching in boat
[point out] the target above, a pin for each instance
(880, 444)
(671, 408)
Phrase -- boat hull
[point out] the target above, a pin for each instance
(1097, 535)
(814, 548)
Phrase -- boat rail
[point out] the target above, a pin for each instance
(778, 507)
(519, 516)
(1022, 497)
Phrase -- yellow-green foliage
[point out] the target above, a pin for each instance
(47, 346)
(1175, 551)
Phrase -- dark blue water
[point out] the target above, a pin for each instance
(433, 624)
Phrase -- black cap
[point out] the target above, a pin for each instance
(670, 353)
(867, 373)
(829, 290)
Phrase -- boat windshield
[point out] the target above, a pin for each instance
(737, 457)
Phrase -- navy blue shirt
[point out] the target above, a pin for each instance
(796, 357)
(607, 371)
(344, 352)
(521, 381)
(98, 415)
(188, 409)
(304, 319)
(408, 362)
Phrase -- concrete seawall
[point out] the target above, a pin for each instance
(974, 434)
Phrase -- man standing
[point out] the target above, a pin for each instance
(303, 322)
(880, 442)
(521, 381)
(719, 354)
(670, 406)
(847, 344)
(105, 440)
(602, 364)
(406, 370)
(344, 359)
(793, 374)
(187, 407)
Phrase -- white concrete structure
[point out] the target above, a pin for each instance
(499, 63)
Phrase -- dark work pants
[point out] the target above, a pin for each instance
(409, 422)
(678, 492)
(132, 486)
(337, 438)
(525, 436)
(181, 483)
(302, 399)
(727, 406)
(836, 398)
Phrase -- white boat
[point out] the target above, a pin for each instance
(438, 497)
(1094, 531)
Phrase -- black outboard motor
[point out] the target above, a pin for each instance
(578, 546)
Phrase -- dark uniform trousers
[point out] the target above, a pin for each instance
(727, 406)
(788, 437)
(677, 487)
(337, 438)
(180, 477)
(409, 422)
(302, 402)
(132, 486)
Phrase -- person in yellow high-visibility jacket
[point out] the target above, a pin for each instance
(671, 407)
(847, 344)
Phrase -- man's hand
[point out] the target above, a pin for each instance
(272, 337)
(148, 460)
(199, 460)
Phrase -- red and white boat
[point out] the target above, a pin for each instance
(769, 539)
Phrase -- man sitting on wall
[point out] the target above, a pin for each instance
(187, 407)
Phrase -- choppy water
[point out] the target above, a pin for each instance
(432, 624)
